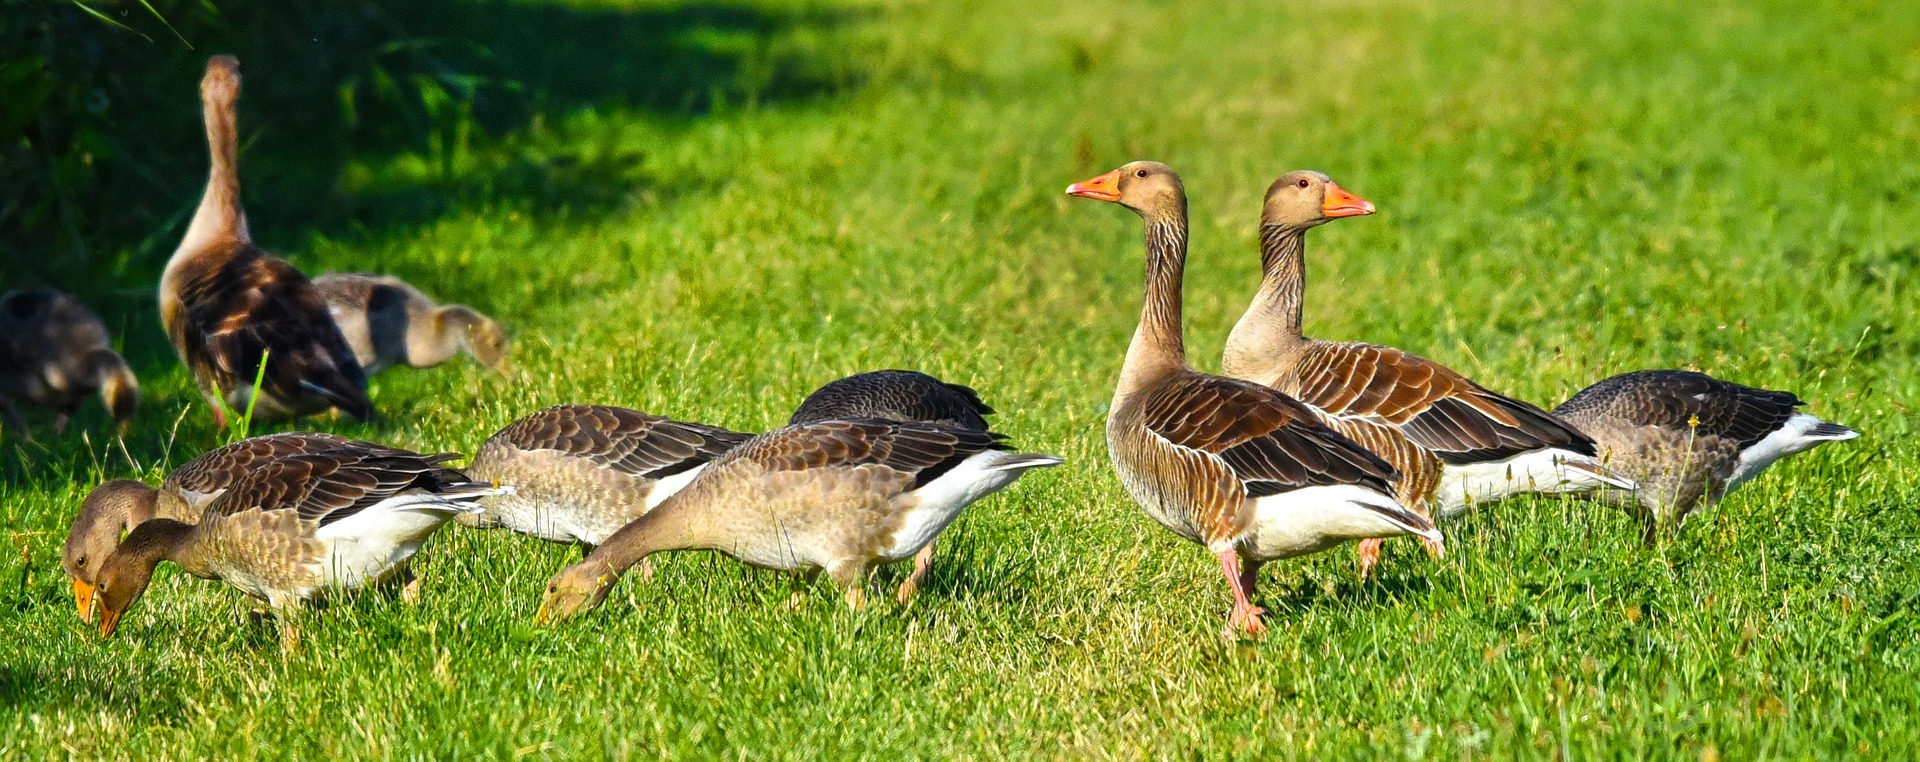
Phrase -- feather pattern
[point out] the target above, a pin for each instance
(895, 395)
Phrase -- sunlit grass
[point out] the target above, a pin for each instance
(1566, 191)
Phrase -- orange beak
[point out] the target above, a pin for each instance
(1103, 188)
(1339, 203)
(83, 599)
(108, 621)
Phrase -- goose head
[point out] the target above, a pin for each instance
(1149, 188)
(1304, 198)
(108, 510)
(574, 591)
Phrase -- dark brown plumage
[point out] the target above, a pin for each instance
(54, 353)
(228, 305)
(895, 395)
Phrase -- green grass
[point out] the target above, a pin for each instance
(1567, 190)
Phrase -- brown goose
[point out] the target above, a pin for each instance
(898, 395)
(116, 507)
(228, 305)
(1454, 442)
(296, 525)
(1687, 438)
(54, 353)
(837, 496)
(1238, 467)
(581, 472)
(388, 322)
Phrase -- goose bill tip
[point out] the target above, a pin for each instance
(1106, 187)
(1340, 202)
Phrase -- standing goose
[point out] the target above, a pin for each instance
(293, 526)
(898, 395)
(388, 322)
(581, 472)
(1454, 442)
(1688, 438)
(116, 507)
(1238, 467)
(228, 305)
(55, 353)
(837, 496)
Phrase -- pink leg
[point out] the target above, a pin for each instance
(1369, 550)
(219, 418)
(1245, 616)
(922, 561)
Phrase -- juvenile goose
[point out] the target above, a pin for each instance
(898, 395)
(839, 496)
(1453, 441)
(388, 322)
(116, 507)
(581, 472)
(54, 353)
(1688, 438)
(293, 526)
(228, 305)
(1243, 469)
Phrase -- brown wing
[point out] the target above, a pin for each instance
(922, 450)
(1272, 443)
(249, 305)
(215, 470)
(1439, 409)
(330, 485)
(895, 395)
(625, 440)
(1683, 400)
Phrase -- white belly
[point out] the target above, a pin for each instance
(1312, 519)
(1537, 471)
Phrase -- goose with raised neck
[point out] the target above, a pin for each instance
(1454, 442)
(229, 306)
(1244, 470)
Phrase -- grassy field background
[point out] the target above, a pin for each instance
(1567, 190)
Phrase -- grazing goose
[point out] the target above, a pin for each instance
(898, 395)
(581, 472)
(54, 353)
(1233, 465)
(388, 322)
(293, 526)
(116, 507)
(228, 305)
(1453, 441)
(838, 496)
(1688, 438)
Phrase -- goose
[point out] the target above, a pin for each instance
(115, 507)
(581, 472)
(228, 305)
(55, 353)
(898, 395)
(1238, 467)
(298, 525)
(838, 496)
(1688, 438)
(388, 322)
(1453, 441)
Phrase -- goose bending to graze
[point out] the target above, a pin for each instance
(117, 506)
(1453, 441)
(898, 395)
(1243, 469)
(388, 322)
(1687, 438)
(837, 496)
(54, 353)
(297, 525)
(228, 305)
(581, 472)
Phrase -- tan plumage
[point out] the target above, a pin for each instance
(292, 526)
(1429, 421)
(837, 496)
(388, 322)
(228, 305)
(54, 353)
(1238, 467)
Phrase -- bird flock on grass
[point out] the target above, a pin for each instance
(1303, 444)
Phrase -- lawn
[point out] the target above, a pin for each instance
(1567, 190)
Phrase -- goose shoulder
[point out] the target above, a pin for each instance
(899, 395)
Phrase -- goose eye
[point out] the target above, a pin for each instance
(1303, 182)
(1139, 173)
(82, 563)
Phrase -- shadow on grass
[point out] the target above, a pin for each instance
(155, 693)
